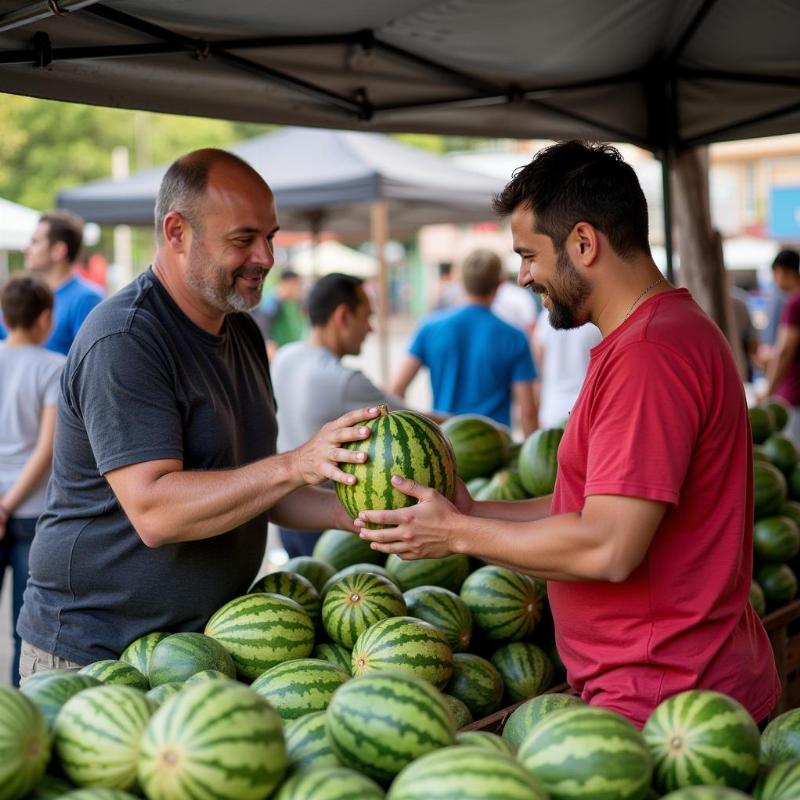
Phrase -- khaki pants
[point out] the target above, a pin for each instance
(32, 660)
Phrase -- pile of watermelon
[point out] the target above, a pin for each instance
(776, 531)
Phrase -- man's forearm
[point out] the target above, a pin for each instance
(777, 369)
(311, 508)
(517, 510)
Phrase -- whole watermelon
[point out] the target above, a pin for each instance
(760, 424)
(532, 712)
(24, 744)
(781, 782)
(480, 447)
(781, 452)
(504, 485)
(776, 539)
(538, 461)
(778, 412)
(770, 489)
(779, 584)
(781, 738)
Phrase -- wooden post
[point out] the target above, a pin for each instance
(379, 228)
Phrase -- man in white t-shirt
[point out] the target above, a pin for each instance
(516, 306)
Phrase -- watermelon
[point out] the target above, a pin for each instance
(357, 569)
(479, 447)
(24, 744)
(702, 738)
(538, 461)
(380, 722)
(51, 694)
(778, 412)
(477, 683)
(206, 675)
(444, 610)
(778, 582)
(448, 572)
(525, 668)
(793, 482)
(759, 454)
(781, 738)
(214, 741)
(466, 773)
(504, 485)
(330, 783)
(354, 603)
(706, 793)
(51, 788)
(770, 489)
(96, 736)
(505, 605)
(781, 782)
(159, 694)
(404, 644)
(299, 687)
(781, 452)
(475, 485)
(138, 652)
(307, 743)
(317, 572)
(261, 630)
(532, 712)
(760, 424)
(335, 654)
(293, 586)
(484, 739)
(98, 794)
(116, 672)
(581, 752)
(27, 683)
(791, 509)
(776, 539)
(340, 549)
(461, 714)
(757, 599)
(401, 443)
(180, 655)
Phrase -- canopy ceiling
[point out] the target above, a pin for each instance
(660, 73)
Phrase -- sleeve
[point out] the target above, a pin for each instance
(644, 423)
(790, 316)
(124, 423)
(523, 370)
(418, 346)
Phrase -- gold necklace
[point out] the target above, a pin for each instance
(633, 304)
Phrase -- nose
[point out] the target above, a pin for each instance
(523, 275)
(264, 251)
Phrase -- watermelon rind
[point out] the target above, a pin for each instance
(444, 610)
(50, 787)
(533, 711)
(158, 695)
(780, 782)
(138, 652)
(340, 549)
(448, 572)
(181, 655)
(486, 740)
(335, 654)
(781, 452)
(357, 569)
(706, 793)
(51, 694)
(307, 743)
(117, 673)
(329, 783)
(480, 448)
(461, 714)
(780, 740)
(760, 424)
(293, 586)
(525, 668)
(538, 461)
(24, 744)
(477, 683)
(310, 568)
(770, 489)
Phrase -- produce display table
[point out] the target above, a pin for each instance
(783, 628)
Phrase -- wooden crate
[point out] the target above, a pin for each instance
(783, 628)
(494, 722)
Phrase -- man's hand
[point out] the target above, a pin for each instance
(463, 500)
(424, 530)
(317, 460)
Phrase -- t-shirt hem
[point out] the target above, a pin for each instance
(632, 489)
(53, 646)
(137, 458)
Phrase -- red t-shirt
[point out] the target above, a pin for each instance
(662, 415)
(789, 387)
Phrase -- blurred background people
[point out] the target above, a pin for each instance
(449, 292)
(281, 315)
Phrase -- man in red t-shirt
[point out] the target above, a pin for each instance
(646, 542)
(783, 369)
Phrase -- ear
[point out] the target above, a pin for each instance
(583, 243)
(341, 314)
(45, 320)
(58, 251)
(176, 232)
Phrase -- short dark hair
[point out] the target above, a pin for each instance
(23, 298)
(64, 226)
(575, 181)
(289, 274)
(788, 260)
(329, 293)
(481, 272)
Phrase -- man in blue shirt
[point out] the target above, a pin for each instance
(478, 364)
(52, 253)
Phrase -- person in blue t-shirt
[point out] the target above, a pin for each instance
(478, 364)
(51, 254)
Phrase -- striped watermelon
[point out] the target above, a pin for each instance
(588, 752)
(538, 461)
(776, 539)
(760, 424)
(30, 681)
(506, 606)
(477, 683)
(781, 738)
(24, 744)
(214, 741)
(181, 655)
(461, 714)
(525, 668)
(757, 599)
(781, 452)
(293, 586)
(770, 489)
(778, 582)
(380, 722)
(261, 630)
(98, 794)
(330, 783)
(404, 644)
(444, 610)
(357, 569)
(480, 448)
(161, 693)
(466, 773)
(317, 572)
(50, 695)
(116, 672)
(356, 602)
(299, 687)
(307, 744)
(50, 788)
(341, 549)
(533, 711)
(778, 411)
(484, 739)
(206, 675)
(138, 652)
(702, 738)
(448, 572)
(781, 782)
(96, 736)
(504, 485)
(335, 654)
(401, 443)
(475, 485)
(706, 793)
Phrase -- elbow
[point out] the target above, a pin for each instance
(150, 531)
(616, 567)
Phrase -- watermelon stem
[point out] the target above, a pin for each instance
(383, 409)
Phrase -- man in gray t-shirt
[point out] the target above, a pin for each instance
(163, 472)
(312, 385)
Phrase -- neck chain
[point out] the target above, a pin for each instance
(649, 288)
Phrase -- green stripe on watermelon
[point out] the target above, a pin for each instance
(50, 788)
(334, 654)
(776, 539)
(448, 572)
(770, 489)
(757, 599)
(484, 740)
(307, 744)
(480, 448)
(312, 569)
(533, 711)
(504, 485)
(583, 751)
(116, 672)
(51, 694)
(161, 693)
(781, 452)
(138, 652)
(357, 569)
(404, 644)
(330, 783)
(340, 549)
(706, 793)
(293, 586)
(466, 773)
(24, 744)
(459, 711)
(778, 582)
(262, 630)
(538, 461)
(781, 738)
(299, 687)
(206, 675)
(213, 741)
(781, 782)
(379, 723)
(181, 655)
(444, 610)
(98, 794)
(477, 683)
(525, 668)
(356, 602)
(760, 424)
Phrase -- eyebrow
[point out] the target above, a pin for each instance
(250, 229)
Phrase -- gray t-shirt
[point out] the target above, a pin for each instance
(29, 377)
(142, 383)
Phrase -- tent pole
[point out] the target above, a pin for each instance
(379, 225)
(666, 165)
